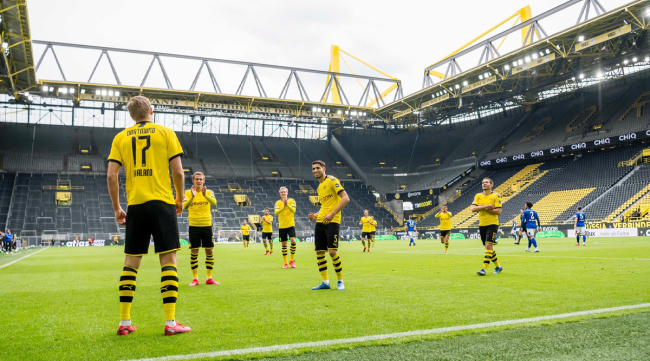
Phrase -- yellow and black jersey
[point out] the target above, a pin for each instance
(485, 218)
(145, 150)
(373, 225)
(267, 227)
(199, 214)
(445, 221)
(366, 223)
(285, 214)
(245, 229)
(328, 195)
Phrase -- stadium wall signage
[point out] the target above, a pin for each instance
(603, 37)
(617, 139)
(479, 84)
(533, 63)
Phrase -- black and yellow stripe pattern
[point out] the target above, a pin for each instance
(271, 245)
(127, 291)
(336, 261)
(284, 252)
(293, 251)
(194, 263)
(266, 245)
(169, 290)
(446, 246)
(209, 264)
(494, 259)
(486, 259)
(322, 266)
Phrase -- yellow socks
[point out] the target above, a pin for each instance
(169, 290)
(322, 266)
(271, 245)
(284, 253)
(266, 246)
(293, 251)
(486, 259)
(194, 263)
(494, 259)
(209, 265)
(127, 291)
(336, 261)
(363, 242)
(446, 246)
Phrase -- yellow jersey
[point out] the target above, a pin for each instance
(266, 227)
(145, 150)
(445, 221)
(328, 195)
(485, 218)
(245, 230)
(285, 214)
(366, 224)
(373, 225)
(199, 213)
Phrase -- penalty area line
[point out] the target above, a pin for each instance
(12, 262)
(293, 346)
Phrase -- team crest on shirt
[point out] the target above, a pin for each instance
(336, 185)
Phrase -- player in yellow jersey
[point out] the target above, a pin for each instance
(267, 230)
(146, 151)
(333, 199)
(198, 200)
(245, 233)
(373, 231)
(366, 229)
(285, 209)
(445, 226)
(488, 206)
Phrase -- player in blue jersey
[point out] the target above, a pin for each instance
(530, 223)
(411, 230)
(347, 235)
(580, 227)
(513, 231)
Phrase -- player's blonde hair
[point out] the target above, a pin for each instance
(139, 108)
(198, 173)
(285, 188)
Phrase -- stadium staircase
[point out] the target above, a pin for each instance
(638, 104)
(555, 203)
(508, 189)
(642, 196)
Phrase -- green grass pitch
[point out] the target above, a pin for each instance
(62, 303)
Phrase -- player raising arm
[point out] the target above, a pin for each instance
(146, 151)
(445, 226)
(198, 200)
(333, 199)
(285, 209)
(488, 206)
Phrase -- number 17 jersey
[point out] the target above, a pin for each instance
(145, 150)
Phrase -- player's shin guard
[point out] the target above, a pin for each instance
(584, 238)
(336, 261)
(266, 245)
(209, 265)
(194, 263)
(284, 253)
(322, 266)
(363, 242)
(534, 242)
(494, 258)
(127, 291)
(293, 251)
(486, 259)
(271, 245)
(578, 238)
(169, 290)
(446, 246)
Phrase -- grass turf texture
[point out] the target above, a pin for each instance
(62, 303)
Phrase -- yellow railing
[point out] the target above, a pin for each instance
(632, 161)
(65, 188)
(386, 207)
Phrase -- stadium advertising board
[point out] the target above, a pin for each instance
(459, 177)
(606, 232)
(603, 37)
(598, 143)
(421, 199)
(437, 100)
(533, 63)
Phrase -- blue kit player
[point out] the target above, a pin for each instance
(513, 231)
(530, 223)
(580, 227)
(412, 230)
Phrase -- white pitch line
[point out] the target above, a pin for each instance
(293, 346)
(523, 255)
(12, 262)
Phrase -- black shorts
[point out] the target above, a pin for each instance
(153, 218)
(201, 237)
(373, 233)
(247, 238)
(444, 233)
(326, 236)
(267, 235)
(489, 233)
(286, 233)
(366, 235)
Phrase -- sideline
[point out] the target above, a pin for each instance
(258, 350)
(12, 262)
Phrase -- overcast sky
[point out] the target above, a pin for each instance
(399, 37)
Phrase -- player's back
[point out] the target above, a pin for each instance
(410, 224)
(580, 216)
(145, 150)
(529, 216)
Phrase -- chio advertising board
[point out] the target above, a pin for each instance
(623, 138)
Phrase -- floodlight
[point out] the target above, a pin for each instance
(506, 67)
(581, 38)
(599, 75)
(514, 63)
(457, 86)
(634, 60)
(527, 59)
(581, 76)
(51, 89)
(104, 92)
(117, 94)
(520, 62)
(63, 90)
(647, 59)
(110, 93)
(625, 61)
(480, 77)
(44, 88)
(338, 112)
(98, 92)
(486, 75)
(83, 91)
(534, 56)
